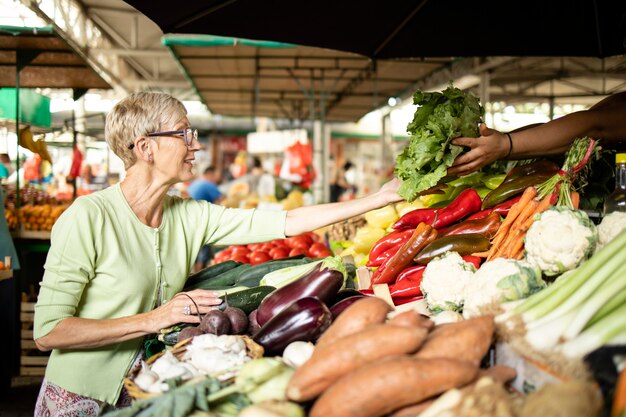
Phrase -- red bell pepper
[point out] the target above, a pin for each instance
(389, 270)
(387, 246)
(475, 260)
(398, 301)
(468, 202)
(502, 209)
(380, 259)
(408, 282)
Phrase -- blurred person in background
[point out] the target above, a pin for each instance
(6, 167)
(205, 188)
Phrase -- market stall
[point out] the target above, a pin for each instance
(500, 293)
(31, 58)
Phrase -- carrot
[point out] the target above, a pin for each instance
(525, 212)
(619, 397)
(468, 340)
(528, 195)
(482, 254)
(517, 240)
(389, 384)
(361, 314)
(337, 359)
(575, 199)
(412, 318)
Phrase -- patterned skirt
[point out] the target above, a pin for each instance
(54, 401)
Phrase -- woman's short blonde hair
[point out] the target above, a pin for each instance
(137, 115)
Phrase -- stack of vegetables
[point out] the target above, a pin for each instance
(307, 244)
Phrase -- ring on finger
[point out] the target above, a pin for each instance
(187, 310)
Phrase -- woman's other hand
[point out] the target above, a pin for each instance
(174, 311)
(389, 192)
(490, 146)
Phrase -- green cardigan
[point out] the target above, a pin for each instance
(104, 263)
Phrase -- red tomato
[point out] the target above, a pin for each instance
(314, 236)
(297, 251)
(240, 250)
(258, 257)
(300, 241)
(255, 246)
(240, 258)
(322, 254)
(279, 253)
(267, 246)
(318, 248)
(280, 243)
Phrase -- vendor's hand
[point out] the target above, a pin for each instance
(173, 311)
(389, 192)
(490, 146)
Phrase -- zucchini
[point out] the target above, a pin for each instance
(252, 277)
(211, 272)
(247, 300)
(225, 279)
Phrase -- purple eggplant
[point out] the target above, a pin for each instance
(303, 320)
(343, 294)
(340, 306)
(321, 283)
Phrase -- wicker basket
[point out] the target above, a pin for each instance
(254, 350)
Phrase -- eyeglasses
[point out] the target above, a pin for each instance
(188, 135)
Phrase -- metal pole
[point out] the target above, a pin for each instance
(17, 133)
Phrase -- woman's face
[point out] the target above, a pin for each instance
(172, 158)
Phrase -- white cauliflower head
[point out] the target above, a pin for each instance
(610, 226)
(444, 282)
(501, 280)
(560, 239)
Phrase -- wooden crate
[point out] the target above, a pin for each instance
(32, 361)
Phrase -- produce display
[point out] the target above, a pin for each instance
(307, 244)
(487, 295)
(38, 210)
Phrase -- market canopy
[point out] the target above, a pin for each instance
(409, 28)
(46, 61)
(243, 78)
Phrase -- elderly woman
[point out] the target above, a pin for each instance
(119, 256)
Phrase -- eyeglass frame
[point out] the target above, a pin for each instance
(183, 132)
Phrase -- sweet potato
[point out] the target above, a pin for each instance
(413, 410)
(361, 314)
(412, 318)
(389, 384)
(332, 361)
(467, 340)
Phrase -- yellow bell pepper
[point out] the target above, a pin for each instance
(404, 207)
(366, 237)
(383, 217)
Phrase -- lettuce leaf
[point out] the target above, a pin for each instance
(439, 118)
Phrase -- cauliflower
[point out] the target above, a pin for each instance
(444, 282)
(610, 226)
(501, 280)
(560, 239)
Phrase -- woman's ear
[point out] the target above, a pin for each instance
(143, 147)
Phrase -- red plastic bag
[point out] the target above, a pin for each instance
(77, 161)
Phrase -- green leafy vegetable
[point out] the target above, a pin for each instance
(439, 118)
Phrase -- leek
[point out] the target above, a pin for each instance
(590, 300)
(611, 327)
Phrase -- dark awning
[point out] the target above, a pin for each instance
(409, 28)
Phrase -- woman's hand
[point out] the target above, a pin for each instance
(389, 192)
(490, 146)
(173, 311)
